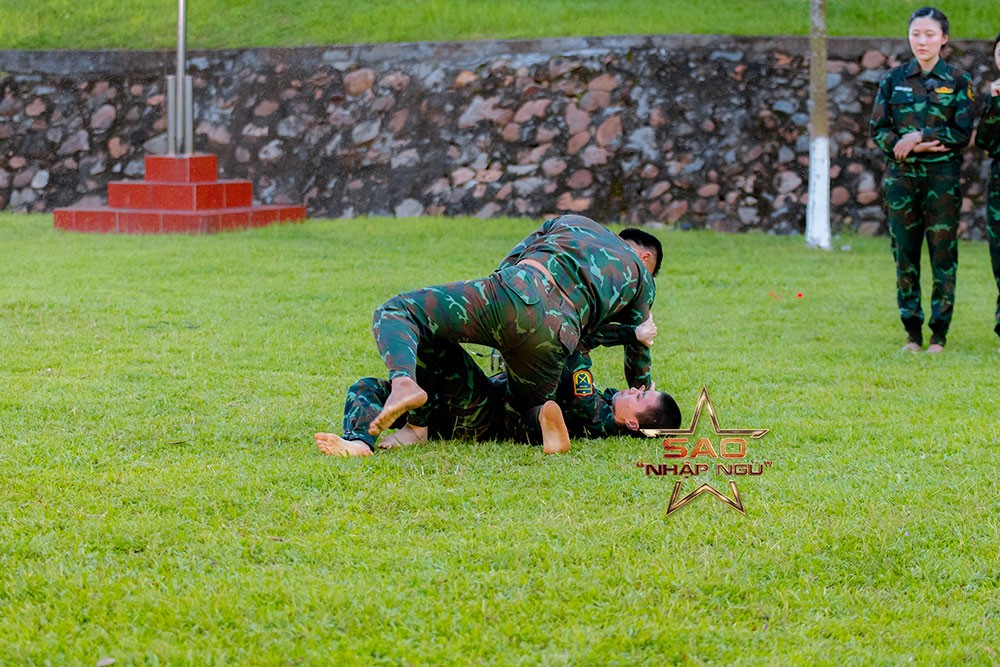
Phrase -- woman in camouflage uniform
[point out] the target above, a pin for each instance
(922, 119)
(988, 137)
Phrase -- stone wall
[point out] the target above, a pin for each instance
(696, 131)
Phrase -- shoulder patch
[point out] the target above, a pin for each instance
(583, 383)
(972, 95)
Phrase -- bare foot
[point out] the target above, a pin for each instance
(334, 445)
(555, 437)
(911, 347)
(408, 435)
(405, 395)
(935, 348)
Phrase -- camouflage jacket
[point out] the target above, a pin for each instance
(611, 334)
(601, 275)
(988, 134)
(939, 105)
(588, 412)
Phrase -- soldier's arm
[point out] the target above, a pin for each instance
(610, 334)
(588, 412)
(882, 128)
(988, 134)
(638, 359)
(577, 395)
(956, 134)
(638, 366)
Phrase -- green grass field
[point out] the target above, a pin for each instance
(162, 501)
(152, 24)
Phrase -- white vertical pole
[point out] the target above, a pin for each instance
(182, 108)
(171, 114)
(818, 208)
(188, 115)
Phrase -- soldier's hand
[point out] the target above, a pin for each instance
(646, 332)
(930, 147)
(995, 88)
(906, 144)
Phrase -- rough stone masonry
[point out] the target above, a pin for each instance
(693, 131)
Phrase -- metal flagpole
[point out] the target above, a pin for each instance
(180, 109)
(181, 17)
(181, 32)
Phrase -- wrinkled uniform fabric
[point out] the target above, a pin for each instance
(988, 137)
(534, 323)
(462, 402)
(602, 277)
(589, 413)
(922, 193)
(467, 405)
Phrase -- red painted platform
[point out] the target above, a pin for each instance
(180, 194)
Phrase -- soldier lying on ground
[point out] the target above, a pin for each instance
(469, 405)
(559, 285)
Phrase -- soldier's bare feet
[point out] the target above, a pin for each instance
(935, 348)
(334, 445)
(408, 435)
(405, 395)
(555, 437)
(911, 347)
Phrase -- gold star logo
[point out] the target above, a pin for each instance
(705, 402)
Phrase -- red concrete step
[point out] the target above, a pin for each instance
(197, 167)
(180, 196)
(136, 221)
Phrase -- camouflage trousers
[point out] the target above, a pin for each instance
(462, 403)
(515, 310)
(993, 230)
(924, 204)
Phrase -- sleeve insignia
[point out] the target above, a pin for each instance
(583, 383)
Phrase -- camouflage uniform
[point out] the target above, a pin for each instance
(589, 413)
(534, 323)
(462, 403)
(466, 405)
(602, 278)
(988, 137)
(922, 192)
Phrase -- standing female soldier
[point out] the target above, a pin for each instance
(988, 137)
(923, 117)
